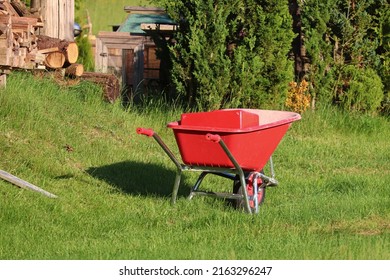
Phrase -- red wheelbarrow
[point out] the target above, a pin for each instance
(231, 143)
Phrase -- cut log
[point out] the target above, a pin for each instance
(46, 42)
(55, 60)
(69, 49)
(74, 70)
(72, 53)
(108, 82)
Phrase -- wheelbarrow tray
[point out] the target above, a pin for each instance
(251, 136)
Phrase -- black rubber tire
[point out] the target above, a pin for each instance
(240, 203)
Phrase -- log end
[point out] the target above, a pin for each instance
(72, 52)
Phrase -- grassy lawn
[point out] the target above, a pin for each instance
(105, 13)
(113, 186)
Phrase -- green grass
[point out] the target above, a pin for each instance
(105, 13)
(113, 186)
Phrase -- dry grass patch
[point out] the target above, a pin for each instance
(372, 225)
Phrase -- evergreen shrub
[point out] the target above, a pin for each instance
(361, 89)
(230, 53)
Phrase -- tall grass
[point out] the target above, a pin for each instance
(113, 185)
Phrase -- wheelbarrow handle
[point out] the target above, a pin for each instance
(213, 137)
(145, 131)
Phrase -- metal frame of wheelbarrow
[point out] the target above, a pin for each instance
(230, 173)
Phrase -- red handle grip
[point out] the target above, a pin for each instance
(213, 137)
(145, 131)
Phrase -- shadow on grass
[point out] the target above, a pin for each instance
(139, 178)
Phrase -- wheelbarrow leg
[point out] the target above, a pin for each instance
(240, 173)
(217, 139)
(176, 186)
(197, 184)
(245, 193)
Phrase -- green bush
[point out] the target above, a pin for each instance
(230, 53)
(384, 51)
(360, 89)
(236, 53)
(348, 35)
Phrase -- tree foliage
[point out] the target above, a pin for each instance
(231, 53)
(235, 53)
(346, 40)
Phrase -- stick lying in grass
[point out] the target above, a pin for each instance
(23, 184)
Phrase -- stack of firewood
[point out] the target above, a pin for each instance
(60, 54)
(21, 47)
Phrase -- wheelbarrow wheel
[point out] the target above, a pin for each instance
(240, 203)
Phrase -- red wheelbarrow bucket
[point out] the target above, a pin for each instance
(232, 143)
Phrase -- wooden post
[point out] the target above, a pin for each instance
(23, 184)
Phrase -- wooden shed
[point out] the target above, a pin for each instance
(130, 52)
(58, 17)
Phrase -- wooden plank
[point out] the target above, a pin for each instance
(49, 50)
(98, 55)
(35, 57)
(104, 56)
(5, 60)
(138, 66)
(118, 35)
(127, 67)
(120, 40)
(110, 34)
(20, 8)
(23, 184)
(158, 27)
(115, 61)
(58, 18)
(9, 8)
(3, 43)
(121, 46)
(66, 19)
(146, 10)
(19, 20)
(5, 51)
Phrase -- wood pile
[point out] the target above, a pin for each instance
(58, 53)
(21, 47)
